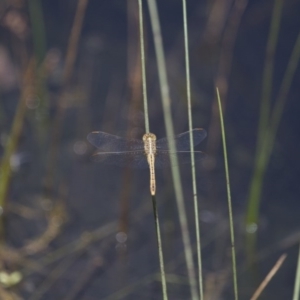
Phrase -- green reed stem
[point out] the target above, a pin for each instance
(296, 295)
(262, 152)
(166, 102)
(285, 87)
(147, 129)
(263, 156)
(235, 285)
(13, 139)
(41, 92)
(38, 29)
(189, 102)
(160, 251)
(268, 71)
(143, 64)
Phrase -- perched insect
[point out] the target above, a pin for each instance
(147, 153)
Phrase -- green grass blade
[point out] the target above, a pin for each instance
(268, 71)
(284, 89)
(164, 88)
(261, 154)
(38, 29)
(160, 250)
(147, 129)
(143, 63)
(189, 102)
(13, 139)
(235, 285)
(296, 295)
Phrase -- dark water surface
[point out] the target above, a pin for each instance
(66, 216)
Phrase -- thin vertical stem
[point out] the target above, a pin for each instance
(160, 251)
(143, 63)
(147, 129)
(268, 71)
(73, 40)
(189, 102)
(284, 88)
(13, 139)
(235, 285)
(71, 54)
(260, 159)
(164, 89)
(297, 280)
(38, 29)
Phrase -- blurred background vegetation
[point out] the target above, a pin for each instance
(73, 229)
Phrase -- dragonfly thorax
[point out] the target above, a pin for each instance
(149, 140)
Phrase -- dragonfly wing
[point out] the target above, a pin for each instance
(163, 158)
(111, 143)
(133, 159)
(182, 140)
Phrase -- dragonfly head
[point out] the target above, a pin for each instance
(148, 136)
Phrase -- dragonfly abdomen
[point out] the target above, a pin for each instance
(150, 150)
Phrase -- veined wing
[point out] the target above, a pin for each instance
(163, 157)
(111, 143)
(182, 140)
(118, 151)
(133, 159)
(138, 159)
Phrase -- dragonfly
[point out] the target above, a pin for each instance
(146, 153)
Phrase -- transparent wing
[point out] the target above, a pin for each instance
(117, 151)
(182, 141)
(111, 143)
(133, 159)
(138, 160)
(163, 158)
